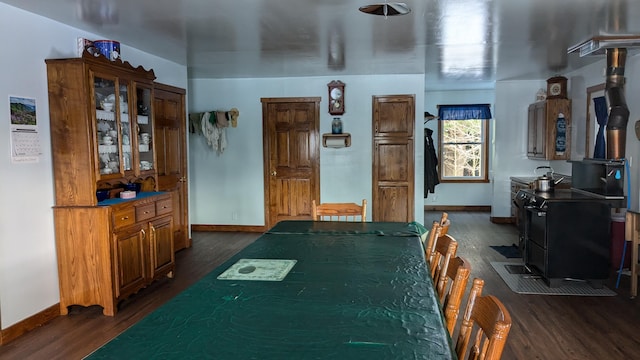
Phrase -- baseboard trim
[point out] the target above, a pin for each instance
(457, 208)
(232, 228)
(502, 220)
(14, 331)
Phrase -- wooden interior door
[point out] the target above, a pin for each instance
(291, 157)
(393, 158)
(171, 156)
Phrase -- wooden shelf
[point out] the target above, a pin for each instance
(336, 140)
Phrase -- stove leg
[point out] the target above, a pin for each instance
(554, 282)
(596, 284)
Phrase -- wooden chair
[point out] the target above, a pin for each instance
(444, 250)
(444, 222)
(453, 290)
(493, 324)
(438, 228)
(430, 241)
(339, 211)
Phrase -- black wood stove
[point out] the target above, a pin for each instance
(565, 234)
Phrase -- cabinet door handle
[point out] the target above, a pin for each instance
(144, 233)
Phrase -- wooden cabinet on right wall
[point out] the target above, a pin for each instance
(542, 130)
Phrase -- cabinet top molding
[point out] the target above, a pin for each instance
(140, 71)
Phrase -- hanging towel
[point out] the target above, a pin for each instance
(216, 136)
(195, 123)
(234, 112)
(221, 119)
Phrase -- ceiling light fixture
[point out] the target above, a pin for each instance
(386, 9)
(597, 44)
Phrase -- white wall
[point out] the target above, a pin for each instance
(477, 194)
(512, 100)
(28, 267)
(510, 142)
(232, 183)
(594, 75)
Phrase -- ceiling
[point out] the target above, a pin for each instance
(455, 43)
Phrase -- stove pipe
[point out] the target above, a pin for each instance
(618, 110)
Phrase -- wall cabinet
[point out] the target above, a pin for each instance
(102, 136)
(542, 129)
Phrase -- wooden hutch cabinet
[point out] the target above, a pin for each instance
(102, 135)
(542, 118)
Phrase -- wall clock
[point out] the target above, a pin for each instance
(336, 97)
(557, 87)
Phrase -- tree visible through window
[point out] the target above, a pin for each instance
(463, 146)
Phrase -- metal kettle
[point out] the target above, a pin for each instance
(545, 183)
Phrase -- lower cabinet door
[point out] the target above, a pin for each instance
(162, 247)
(130, 263)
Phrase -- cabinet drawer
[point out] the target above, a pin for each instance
(145, 212)
(163, 206)
(124, 217)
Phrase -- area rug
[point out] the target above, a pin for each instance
(508, 251)
(520, 281)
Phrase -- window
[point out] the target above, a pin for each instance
(463, 138)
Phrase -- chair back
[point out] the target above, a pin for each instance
(430, 243)
(491, 322)
(339, 211)
(444, 223)
(442, 228)
(445, 250)
(453, 291)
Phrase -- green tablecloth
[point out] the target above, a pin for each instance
(348, 296)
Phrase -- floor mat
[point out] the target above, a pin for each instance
(508, 251)
(520, 281)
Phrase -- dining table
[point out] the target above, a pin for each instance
(303, 290)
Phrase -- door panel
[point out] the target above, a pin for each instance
(394, 115)
(171, 156)
(396, 205)
(291, 156)
(395, 155)
(393, 158)
(162, 250)
(130, 260)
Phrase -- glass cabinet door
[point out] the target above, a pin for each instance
(125, 128)
(107, 125)
(145, 129)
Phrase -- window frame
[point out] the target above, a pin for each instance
(485, 155)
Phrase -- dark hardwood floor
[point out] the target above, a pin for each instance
(544, 327)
